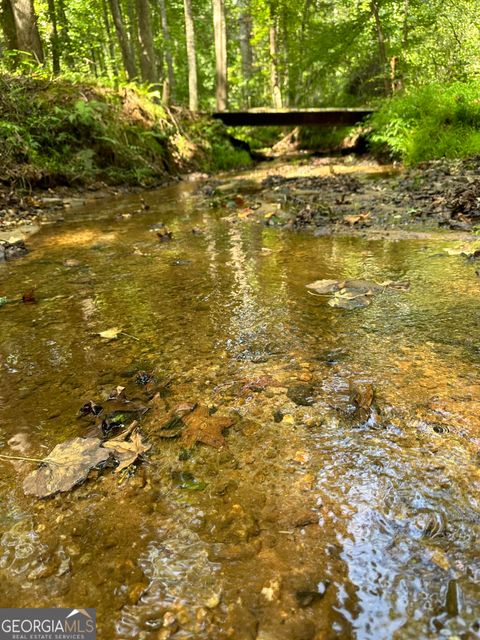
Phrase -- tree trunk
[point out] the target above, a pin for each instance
(382, 51)
(289, 89)
(145, 40)
(64, 34)
(170, 91)
(28, 37)
(111, 44)
(127, 56)
(8, 25)
(54, 38)
(220, 31)
(274, 75)
(93, 63)
(191, 57)
(245, 36)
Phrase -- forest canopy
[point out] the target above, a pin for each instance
(221, 54)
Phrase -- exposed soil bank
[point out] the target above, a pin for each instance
(61, 143)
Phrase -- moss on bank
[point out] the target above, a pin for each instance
(61, 133)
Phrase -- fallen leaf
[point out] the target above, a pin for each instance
(118, 393)
(352, 220)
(66, 466)
(29, 297)
(201, 427)
(90, 408)
(125, 451)
(164, 234)
(110, 334)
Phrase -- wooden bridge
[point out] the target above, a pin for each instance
(292, 118)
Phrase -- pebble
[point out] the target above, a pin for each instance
(305, 377)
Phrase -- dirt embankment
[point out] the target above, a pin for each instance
(62, 142)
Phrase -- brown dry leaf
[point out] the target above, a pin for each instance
(202, 427)
(242, 215)
(127, 452)
(117, 393)
(352, 220)
(67, 465)
(29, 297)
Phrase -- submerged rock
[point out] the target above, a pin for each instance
(301, 394)
(12, 250)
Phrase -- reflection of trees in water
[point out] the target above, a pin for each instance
(258, 325)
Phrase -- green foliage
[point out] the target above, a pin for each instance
(226, 158)
(430, 122)
(324, 139)
(258, 137)
(216, 152)
(67, 133)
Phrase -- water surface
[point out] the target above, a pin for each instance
(311, 523)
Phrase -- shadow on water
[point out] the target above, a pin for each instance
(311, 523)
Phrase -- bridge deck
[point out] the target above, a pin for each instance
(287, 118)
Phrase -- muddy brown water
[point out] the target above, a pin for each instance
(310, 524)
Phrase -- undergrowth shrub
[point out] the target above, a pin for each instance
(429, 122)
(63, 133)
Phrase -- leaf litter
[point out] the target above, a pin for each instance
(70, 463)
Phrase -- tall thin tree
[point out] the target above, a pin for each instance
(145, 39)
(220, 32)
(274, 72)
(7, 22)
(54, 37)
(125, 48)
(191, 57)
(167, 43)
(382, 49)
(245, 36)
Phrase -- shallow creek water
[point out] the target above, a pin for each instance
(310, 524)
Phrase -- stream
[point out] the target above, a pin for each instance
(311, 523)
